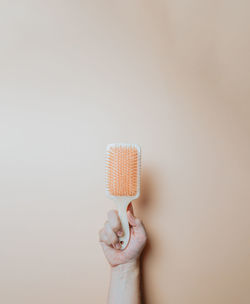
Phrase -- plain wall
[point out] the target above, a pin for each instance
(172, 76)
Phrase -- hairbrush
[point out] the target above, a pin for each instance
(122, 180)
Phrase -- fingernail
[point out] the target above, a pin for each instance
(120, 233)
(117, 246)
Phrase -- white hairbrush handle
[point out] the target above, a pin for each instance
(122, 206)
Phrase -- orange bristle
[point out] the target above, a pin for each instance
(121, 171)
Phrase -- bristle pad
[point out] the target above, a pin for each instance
(122, 170)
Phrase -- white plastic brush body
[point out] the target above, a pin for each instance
(122, 179)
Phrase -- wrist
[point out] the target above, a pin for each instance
(125, 283)
(128, 267)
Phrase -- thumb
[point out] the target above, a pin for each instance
(130, 215)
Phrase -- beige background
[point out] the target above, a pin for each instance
(172, 76)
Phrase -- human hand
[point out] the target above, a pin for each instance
(109, 238)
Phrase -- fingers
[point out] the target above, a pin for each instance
(107, 236)
(137, 230)
(130, 208)
(102, 236)
(115, 222)
(131, 218)
(133, 221)
(112, 228)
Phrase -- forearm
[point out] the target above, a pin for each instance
(125, 284)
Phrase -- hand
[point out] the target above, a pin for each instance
(110, 242)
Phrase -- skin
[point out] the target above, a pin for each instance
(125, 267)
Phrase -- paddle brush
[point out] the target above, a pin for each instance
(122, 179)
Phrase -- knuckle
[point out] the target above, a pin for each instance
(109, 233)
(115, 225)
(114, 220)
(114, 239)
(109, 239)
(105, 238)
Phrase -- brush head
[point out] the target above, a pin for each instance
(123, 170)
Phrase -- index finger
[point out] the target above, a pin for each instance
(114, 221)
